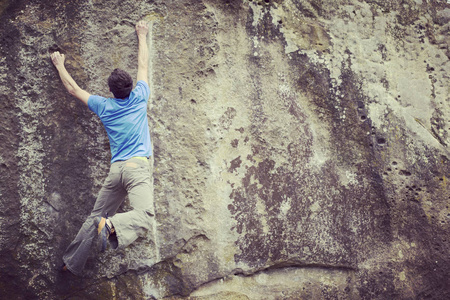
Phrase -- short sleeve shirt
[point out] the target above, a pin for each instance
(125, 121)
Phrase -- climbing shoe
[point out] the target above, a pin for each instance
(104, 230)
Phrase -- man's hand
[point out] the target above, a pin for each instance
(142, 28)
(58, 59)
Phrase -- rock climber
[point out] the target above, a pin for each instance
(125, 119)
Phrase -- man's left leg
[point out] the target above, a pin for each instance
(109, 199)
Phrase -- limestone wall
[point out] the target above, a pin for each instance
(300, 148)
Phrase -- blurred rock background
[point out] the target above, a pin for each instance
(300, 148)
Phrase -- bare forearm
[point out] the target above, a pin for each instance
(143, 52)
(143, 55)
(67, 80)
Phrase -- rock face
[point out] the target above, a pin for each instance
(300, 148)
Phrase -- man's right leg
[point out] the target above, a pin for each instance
(108, 201)
(136, 179)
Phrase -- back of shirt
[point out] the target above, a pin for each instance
(125, 121)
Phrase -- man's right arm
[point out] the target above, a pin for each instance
(142, 30)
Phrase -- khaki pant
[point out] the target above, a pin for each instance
(130, 177)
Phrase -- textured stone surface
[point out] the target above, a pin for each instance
(300, 148)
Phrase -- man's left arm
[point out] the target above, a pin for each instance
(70, 84)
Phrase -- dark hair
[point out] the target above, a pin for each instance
(120, 83)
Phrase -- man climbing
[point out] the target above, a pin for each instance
(125, 119)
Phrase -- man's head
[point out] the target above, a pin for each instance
(120, 83)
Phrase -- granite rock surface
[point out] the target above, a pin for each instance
(301, 148)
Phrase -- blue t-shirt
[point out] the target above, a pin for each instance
(125, 121)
